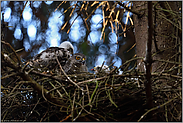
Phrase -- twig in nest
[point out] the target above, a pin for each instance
(101, 67)
(28, 115)
(84, 108)
(78, 115)
(19, 61)
(47, 75)
(152, 109)
(67, 76)
(66, 118)
(89, 99)
(133, 59)
(92, 80)
(28, 80)
(72, 110)
(111, 64)
(8, 76)
(108, 67)
(56, 89)
(113, 70)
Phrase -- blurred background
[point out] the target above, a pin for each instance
(37, 25)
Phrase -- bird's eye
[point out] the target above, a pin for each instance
(78, 58)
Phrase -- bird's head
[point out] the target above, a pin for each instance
(68, 46)
(80, 58)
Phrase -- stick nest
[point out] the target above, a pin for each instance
(31, 95)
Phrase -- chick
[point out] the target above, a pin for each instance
(98, 69)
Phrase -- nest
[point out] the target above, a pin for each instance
(31, 95)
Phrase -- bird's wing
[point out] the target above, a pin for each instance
(48, 57)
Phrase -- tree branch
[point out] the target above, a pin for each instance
(28, 80)
(130, 10)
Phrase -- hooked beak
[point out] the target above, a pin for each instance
(83, 62)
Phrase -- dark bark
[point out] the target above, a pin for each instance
(163, 26)
(148, 61)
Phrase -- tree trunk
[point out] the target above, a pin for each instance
(165, 40)
(164, 32)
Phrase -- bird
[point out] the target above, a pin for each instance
(97, 69)
(47, 58)
(76, 64)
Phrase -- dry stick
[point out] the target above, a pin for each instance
(166, 113)
(166, 74)
(167, 61)
(46, 75)
(28, 80)
(32, 110)
(84, 108)
(92, 80)
(72, 108)
(62, 88)
(128, 75)
(65, 118)
(13, 51)
(172, 62)
(78, 115)
(111, 64)
(67, 76)
(179, 50)
(132, 11)
(44, 115)
(88, 92)
(8, 76)
(101, 66)
(6, 111)
(72, 24)
(56, 89)
(130, 61)
(156, 108)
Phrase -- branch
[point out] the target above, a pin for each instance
(13, 51)
(67, 76)
(132, 11)
(157, 107)
(28, 80)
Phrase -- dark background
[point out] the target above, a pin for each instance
(38, 25)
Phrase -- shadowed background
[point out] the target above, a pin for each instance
(38, 25)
